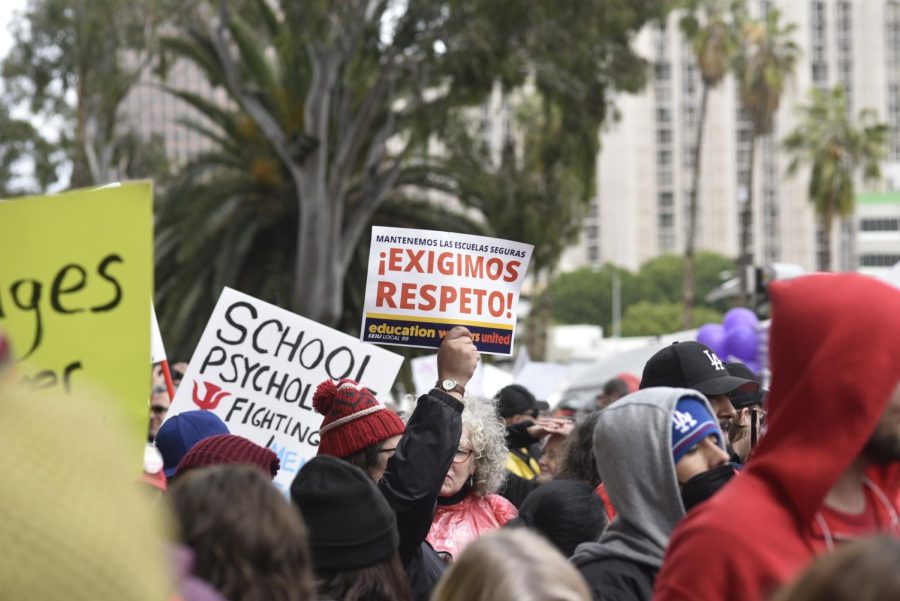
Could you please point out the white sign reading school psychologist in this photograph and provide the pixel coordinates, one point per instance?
(257, 367)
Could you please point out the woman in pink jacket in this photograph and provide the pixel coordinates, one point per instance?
(467, 506)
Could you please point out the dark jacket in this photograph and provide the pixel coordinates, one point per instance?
(526, 448)
(516, 489)
(413, 480)
(612, 579)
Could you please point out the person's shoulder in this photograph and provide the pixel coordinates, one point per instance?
(617, 568)
(502, 507)
(615, 579)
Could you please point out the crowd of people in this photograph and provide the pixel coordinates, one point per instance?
(692, 483)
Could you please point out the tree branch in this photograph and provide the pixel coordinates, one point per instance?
(373, 193)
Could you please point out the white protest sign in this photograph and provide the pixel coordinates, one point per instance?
(421, 283)
(257, 367)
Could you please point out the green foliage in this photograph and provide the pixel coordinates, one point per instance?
(652, 319)
(710, 27)
(659, 279)
(763, 66)
(585, 295)
(835, 146)
(21, 142)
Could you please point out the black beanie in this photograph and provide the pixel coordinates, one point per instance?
(350, 523)
(567, 512)
(514, 400)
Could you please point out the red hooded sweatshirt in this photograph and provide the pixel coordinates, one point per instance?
(835, 356)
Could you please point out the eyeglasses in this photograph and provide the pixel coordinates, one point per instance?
(462, 455)
(761, 416)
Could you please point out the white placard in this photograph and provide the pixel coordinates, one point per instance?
(257, 367)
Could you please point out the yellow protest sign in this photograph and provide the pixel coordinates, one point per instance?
(76, 274)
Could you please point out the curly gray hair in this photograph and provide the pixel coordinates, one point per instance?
(487, 437)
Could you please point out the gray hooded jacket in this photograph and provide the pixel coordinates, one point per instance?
(633, 449)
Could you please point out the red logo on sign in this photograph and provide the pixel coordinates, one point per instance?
(214, 394)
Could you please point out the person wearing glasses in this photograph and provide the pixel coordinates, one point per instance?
(407, 462)
(468, 505)
(159, 397)
(749, 424)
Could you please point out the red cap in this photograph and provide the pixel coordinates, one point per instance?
(225, 449)
(354, 418)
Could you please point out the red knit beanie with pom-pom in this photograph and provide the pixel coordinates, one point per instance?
(354, 418)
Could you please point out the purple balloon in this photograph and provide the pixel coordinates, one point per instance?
(713, 336)
(739, 316)
(741, 342)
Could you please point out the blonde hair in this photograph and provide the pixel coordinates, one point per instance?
(487, 436)
(511, 565)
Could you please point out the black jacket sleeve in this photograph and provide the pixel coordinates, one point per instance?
(517, 435)
(415, 473)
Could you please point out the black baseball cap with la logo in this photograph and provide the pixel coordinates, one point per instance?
(695, 366)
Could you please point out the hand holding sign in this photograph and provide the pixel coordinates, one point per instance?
(457, 357)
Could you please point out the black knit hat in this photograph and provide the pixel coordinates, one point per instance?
(350, 523)
(567, 512)
(514, 400)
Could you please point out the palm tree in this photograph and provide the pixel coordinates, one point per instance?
(763, 65)
(836, 147)
(710, 29)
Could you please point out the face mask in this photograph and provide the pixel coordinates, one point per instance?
(703, 486)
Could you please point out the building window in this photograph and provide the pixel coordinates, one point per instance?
(664, 157)
(664, 136)
(880, 260)
(662, 71)
(592, 232)
(665, 199)
(666, 241)
(666, 220)
(880, 225)
(664, 114)
(819, 72)
(593, 254)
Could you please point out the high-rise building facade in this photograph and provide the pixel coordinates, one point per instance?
(644, 169)
(151, 110)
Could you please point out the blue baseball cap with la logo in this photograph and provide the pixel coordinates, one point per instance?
(691, 423)
(692, 365)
